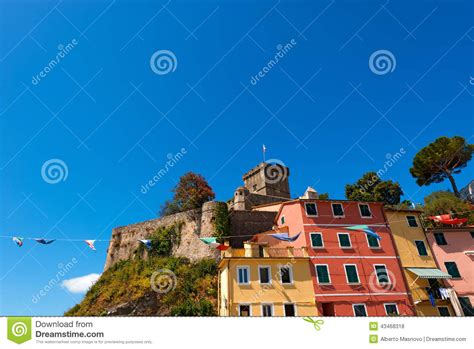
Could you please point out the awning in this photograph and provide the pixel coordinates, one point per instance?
(430, 273)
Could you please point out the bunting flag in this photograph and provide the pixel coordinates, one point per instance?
(285, 237)
(214, 244)
(44, 241)
(18, 241)
(446, 219)
(90, 243)
(147, 243)
(365, 229)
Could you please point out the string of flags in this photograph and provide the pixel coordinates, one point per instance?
(211, 241)
(365, 229)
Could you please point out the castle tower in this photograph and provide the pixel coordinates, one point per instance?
(269, 180)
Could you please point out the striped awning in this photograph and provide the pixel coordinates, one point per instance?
(430, 273)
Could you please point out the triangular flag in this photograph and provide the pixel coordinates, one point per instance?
(365, 229)
(90, 243)
(285, 237)
(18, 241)
(147, 243)
(208, 241)
(44, 241)
(212, 242)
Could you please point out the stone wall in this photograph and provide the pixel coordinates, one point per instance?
(195, 224)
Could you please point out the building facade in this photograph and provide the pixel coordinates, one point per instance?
(453, 248)
(425, 280)
(262, 281)
(353, 274)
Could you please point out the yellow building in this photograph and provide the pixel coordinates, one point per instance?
(421, 271)
(258, 280)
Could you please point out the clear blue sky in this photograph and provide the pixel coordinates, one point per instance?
(320, 110)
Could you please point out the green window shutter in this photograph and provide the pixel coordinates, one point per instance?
(452, 269)
(323, 274)
(316, 240)
(351, 273)
(420, 245)
(373, 241)
(344, 240)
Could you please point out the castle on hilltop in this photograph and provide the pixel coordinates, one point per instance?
(252, 210)
(264, 184)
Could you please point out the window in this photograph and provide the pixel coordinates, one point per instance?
(310, 208)
(337, 210)
(267, 310)
(264, 275)
(391, 309)
(282, 220)
(359, 310)
(382, 274)
(243, 275)
(322, 273)
(316, 240)
(466, 306)
(286, 275)
(290, 309)
(472, 234)
(244, 310)
(412, 221)
(352, 276)
(420, 246)
(443, 311)
(344, 240)
(440, 239)
(365, 210)
(452, 269)
(372, 241)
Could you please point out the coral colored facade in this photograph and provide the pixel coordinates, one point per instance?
(453, 249)
(415, 254)
(354, 286)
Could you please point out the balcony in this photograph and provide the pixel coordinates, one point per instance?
(259, 251)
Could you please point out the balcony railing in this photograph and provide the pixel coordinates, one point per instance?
(265, 252)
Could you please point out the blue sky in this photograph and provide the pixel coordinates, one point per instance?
(113, 121)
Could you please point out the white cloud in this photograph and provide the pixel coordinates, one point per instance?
(80, 284)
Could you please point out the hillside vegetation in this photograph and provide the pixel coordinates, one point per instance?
(125, 289)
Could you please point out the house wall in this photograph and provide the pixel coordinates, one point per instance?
(300, 292)
(459, 241)
(404, 237)
(339, 294)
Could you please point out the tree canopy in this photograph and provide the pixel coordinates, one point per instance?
(440, 160)
(190, 193)
(371, 188)
(444, 202)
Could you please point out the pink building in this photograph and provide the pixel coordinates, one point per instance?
(453, 249)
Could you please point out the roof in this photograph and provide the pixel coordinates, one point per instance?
(386, 208)
(467, 228)
(430, 273)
